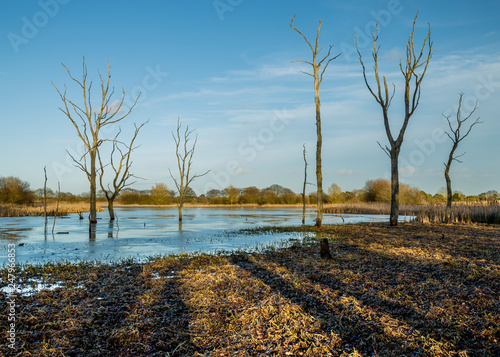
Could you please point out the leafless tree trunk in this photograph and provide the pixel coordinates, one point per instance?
(317, 74)
(304, 187)
(89, 121)
(45, 198)
(121, 170)
(184, 156)
(324, 251)
(57, 206)
(414, 62)
(456, 137)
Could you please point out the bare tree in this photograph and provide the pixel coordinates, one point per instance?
(456, 137)
(415, 62)
(89, 122)
(319, 67)
(57, 206)
(304, 186)
(45, 198)
(120, 168)
(184, 154)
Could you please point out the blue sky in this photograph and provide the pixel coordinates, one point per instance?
(224, 67)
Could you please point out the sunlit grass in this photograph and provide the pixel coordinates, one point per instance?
(11, 210)
(462, 212)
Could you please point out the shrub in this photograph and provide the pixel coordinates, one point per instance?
(14, 190)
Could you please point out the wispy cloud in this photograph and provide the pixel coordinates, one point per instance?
(347, 172)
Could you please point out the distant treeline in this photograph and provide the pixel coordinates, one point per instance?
(15, 191)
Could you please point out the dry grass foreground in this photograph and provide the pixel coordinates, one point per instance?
(411, 290)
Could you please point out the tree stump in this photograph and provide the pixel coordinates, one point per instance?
(324, 251)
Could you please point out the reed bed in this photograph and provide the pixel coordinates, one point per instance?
(37, 209)
(372, 208)
(462, 214)
(488, 212)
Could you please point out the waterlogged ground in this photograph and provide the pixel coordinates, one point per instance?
(143, 232)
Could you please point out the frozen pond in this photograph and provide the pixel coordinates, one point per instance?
(141, 232)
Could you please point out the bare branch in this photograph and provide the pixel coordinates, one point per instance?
(305, 38)
(385, 149)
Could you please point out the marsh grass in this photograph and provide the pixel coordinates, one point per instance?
(37, 209)
(413, 290)
(488, 212)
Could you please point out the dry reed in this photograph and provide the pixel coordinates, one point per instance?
(487, 212)
(11, 210)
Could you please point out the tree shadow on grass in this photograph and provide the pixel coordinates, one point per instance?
(373, 279)
(354, 330)
(120, 311)
(405, 289)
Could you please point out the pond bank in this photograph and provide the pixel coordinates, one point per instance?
(413, 289)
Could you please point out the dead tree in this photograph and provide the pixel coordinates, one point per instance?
(45, 199)
(121, 169)
(57, 206)
(184, 155)
(304, 187)
(413, 71)
(319, 67)
(89, 121)
(456, 137)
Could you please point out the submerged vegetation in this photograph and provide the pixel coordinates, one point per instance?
(409, 290)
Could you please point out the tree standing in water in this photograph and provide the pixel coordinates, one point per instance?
(319, 67)
(184, 154)
(413, 71)
(88, 122)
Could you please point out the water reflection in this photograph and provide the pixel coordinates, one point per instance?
(92, 232)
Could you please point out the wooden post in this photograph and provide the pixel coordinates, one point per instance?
(324, 251)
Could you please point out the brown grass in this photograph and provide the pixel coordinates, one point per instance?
(487, 212)
(473, 213)
(412, 290)
(37, 209)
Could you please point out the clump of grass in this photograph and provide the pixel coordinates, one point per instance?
(489, 213)
(371, 208)
(12, 210)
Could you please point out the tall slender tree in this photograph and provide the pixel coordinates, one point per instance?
(184, 154)
(88, 122)
(319, 66)
(456, 136)
(413, 71)
(304, 185)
